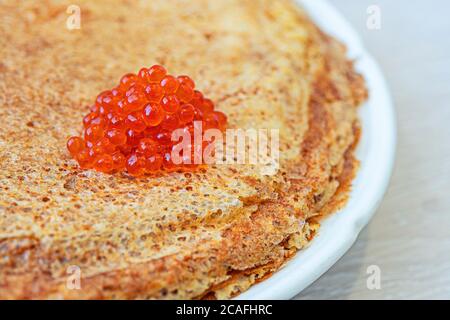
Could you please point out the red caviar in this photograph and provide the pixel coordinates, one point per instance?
(75, 145)
(129, 128)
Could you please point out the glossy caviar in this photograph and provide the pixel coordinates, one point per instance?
(129, 127)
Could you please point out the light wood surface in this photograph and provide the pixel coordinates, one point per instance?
(409, 237)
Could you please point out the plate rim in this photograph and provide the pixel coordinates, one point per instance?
(379, 140)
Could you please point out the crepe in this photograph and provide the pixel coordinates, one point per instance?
(206, 234)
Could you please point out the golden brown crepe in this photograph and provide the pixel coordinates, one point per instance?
(207, 234)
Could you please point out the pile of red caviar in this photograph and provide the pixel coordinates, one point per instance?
(129, 127)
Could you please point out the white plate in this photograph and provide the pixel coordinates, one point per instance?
(376, 153)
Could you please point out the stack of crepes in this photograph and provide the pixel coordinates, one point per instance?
(205, 234)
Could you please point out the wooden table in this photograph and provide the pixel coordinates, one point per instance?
(409, 237)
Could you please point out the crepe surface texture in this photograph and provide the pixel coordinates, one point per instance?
(206, 234)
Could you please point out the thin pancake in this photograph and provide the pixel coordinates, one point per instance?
(181, 235)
